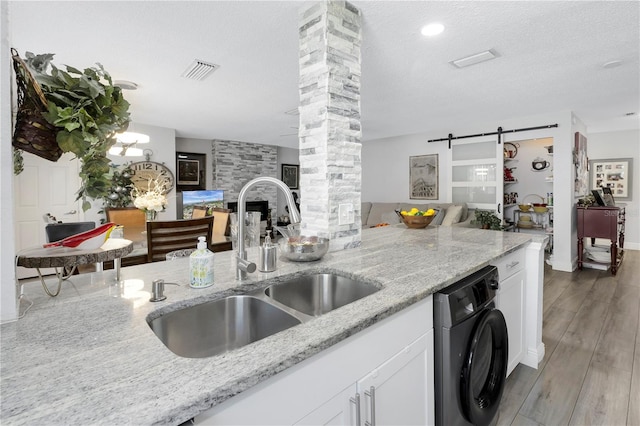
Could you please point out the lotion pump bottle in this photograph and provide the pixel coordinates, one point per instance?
(201, 265)
(268, 255)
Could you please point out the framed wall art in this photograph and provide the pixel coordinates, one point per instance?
(191, 171)
(290, 175)
(580, 162)
(423, 177)
(612, 173)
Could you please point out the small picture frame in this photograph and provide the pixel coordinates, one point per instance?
(188, 172)
(289, 175)
(191, 171)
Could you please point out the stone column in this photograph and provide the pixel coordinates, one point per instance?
(330, 132)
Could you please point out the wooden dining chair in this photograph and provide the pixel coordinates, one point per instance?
(199, 211)
(132, 219)
(221, 223)
(166, 236)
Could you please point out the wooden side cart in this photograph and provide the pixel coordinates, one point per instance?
(602, 222)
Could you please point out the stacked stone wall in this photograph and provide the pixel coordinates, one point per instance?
(330, 131)
(236, 163)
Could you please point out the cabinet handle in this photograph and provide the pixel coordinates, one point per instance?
(513, 264)
(371, 393)
(356, 401)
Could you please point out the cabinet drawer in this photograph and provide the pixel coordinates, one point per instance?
(509, 264)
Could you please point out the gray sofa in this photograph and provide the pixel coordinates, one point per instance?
(373, 213)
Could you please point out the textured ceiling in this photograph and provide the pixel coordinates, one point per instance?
(551, 56)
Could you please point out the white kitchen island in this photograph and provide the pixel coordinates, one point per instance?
(91, 358)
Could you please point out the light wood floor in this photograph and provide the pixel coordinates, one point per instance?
(590, 374)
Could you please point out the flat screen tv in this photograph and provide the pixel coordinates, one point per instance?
(253, 206)
(210, 198)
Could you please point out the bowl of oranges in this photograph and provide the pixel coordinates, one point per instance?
(416, 219)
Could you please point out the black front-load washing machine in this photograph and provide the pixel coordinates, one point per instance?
(470, 351)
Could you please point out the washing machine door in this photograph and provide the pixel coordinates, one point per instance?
(485, 369)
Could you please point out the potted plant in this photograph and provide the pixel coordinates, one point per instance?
(487, 220)
(86, 111)
(119, 194)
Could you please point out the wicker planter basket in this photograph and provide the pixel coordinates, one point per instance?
(32, 133)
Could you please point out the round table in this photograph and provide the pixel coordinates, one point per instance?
(61, 257)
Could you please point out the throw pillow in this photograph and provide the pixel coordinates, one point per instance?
(453, 215)
(439, 217)
(465, 212)
(377, 210)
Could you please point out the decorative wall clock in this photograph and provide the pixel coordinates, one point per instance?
(144, 171)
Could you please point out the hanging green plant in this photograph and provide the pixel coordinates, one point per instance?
(87, 111)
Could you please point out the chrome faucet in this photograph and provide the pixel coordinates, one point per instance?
(243, 265)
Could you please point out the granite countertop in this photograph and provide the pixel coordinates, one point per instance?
(89, 356)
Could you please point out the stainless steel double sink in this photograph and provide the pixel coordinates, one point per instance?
(214, 327)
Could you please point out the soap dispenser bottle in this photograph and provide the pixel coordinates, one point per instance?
(268, 255)
(201, 265)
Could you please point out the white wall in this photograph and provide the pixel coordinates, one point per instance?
(385, 169)
(622, 144)
(8, 307)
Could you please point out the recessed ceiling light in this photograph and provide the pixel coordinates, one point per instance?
(612, 64)
(432, 29)
(125, 85)
(487, 55)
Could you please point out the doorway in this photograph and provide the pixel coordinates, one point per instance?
(43, 188)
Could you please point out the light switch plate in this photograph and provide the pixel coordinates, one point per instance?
(345, 214)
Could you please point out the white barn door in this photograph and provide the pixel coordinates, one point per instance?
(477, 174)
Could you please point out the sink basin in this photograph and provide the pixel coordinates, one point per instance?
(317, 294)
(218, 326)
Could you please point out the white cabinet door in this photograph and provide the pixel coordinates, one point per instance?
(510, 300)
(339, 410)
(400, 391)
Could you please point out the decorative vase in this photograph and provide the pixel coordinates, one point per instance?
(151, 215)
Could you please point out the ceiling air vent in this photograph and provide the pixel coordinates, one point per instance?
(199, 70)
(487, 55)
